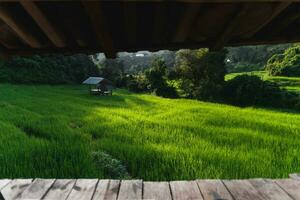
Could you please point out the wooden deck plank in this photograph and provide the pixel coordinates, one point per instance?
(15, 188)
(107, 190)
(292, 187)
(157, 191)
(295, 176)
(4, 182)
(242, 190)
(130, 189)
(213, 189)
(269, 190)
(83, 189)
(37, 189)
(182, 190)
(60, 189)
(258, 189)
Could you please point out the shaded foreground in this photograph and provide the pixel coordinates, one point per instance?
(51, 131)
(61, 189)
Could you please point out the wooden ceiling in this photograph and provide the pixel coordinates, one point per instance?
(29, 27)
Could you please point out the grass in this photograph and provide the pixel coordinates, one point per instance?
(51, 131)
(289, 83)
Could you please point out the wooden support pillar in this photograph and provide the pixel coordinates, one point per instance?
(103, 37)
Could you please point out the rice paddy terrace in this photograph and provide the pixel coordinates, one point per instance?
(63, 132)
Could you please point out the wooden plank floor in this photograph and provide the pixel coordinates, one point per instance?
(95, 189)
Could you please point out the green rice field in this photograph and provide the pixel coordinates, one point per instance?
(52, 131)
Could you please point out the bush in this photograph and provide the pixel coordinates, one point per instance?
(137, 83)
(50, 69)
(287, 64)
(113, 70)
(200, 73)
(156, 77)
(246, 90)
(166, 91)
(111, 167)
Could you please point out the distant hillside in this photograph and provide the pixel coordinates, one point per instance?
(139, 61)
(239, 59)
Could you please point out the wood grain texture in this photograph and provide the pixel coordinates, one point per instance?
(130, 189)
(41, 19)
(15, 188)
(242, 190)
(213, 189)
(18, 28)
(262, 23)
(295, 176)
(269, 190)
(227, 33)
(60, 189)
(157, 191)
(94, 11)
(292, 187)
(184, 190)
(37, 189)
(83, 189)
(107, 190)
(4, 182)
(186, 23)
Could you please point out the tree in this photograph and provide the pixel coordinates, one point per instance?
(245, 90)
(48, 69)
(200, 73)
(113, 70)
(286, 64)
(251, 58)
(157, 80)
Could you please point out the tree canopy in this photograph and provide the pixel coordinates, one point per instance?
(286, 64)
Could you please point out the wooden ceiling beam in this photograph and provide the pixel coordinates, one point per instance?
(285, 22)
(18, 28)
(281, 6)
(230, 27)
(159, 23)
(93, 10)
(48, 28)
(130, 21)
(7, 39)
(186, 22)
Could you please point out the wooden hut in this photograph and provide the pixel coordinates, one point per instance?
(99, 86)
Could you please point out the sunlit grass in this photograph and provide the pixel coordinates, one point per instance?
(50, 131)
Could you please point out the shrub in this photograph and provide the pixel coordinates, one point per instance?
(111, 167)
(246, 90)
(156, 77)
(49, 69)
(137, 83)
(287, 64)
(166, 91)
(200, 73)
(113, 70)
